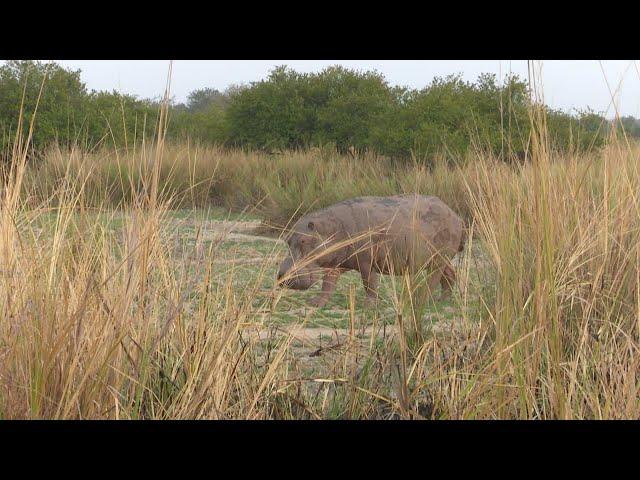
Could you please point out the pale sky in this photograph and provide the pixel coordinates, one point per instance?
(567, 84)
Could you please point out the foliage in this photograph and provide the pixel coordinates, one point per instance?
(361, 111)
(67, 113)
(337, 108)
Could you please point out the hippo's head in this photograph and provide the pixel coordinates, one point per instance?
(299, 270)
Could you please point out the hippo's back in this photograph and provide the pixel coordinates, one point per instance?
(400, 231)
(397, 211)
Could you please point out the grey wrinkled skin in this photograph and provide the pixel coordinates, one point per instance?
(373, 235)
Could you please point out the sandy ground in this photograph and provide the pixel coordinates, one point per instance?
(317, 341)
(242, 231)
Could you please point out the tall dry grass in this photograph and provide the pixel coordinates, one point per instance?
(279, 187)
(563, 238)
(97, 324)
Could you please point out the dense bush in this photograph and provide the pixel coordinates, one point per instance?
(449, 114)
(335, 108)
(359, 110)
(59, 104)
(202, 117)
(67, 113)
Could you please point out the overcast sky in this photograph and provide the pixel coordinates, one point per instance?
(567, 84)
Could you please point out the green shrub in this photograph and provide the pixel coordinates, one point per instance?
(343, 109)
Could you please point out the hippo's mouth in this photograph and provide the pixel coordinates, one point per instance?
(294, 283)
(301, 281)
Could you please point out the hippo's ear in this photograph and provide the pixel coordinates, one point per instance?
(311, 226)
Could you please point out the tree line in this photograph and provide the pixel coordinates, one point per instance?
(337, 107)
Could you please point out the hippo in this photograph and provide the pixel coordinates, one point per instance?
(373, 235)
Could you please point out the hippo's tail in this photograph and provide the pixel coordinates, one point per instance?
(463, 239)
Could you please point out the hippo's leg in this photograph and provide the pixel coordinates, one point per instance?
(370, 281)
(433, 279)
(447, 281)
(328, 287)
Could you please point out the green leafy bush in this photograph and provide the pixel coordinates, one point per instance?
(337, 108)
(67, 113)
